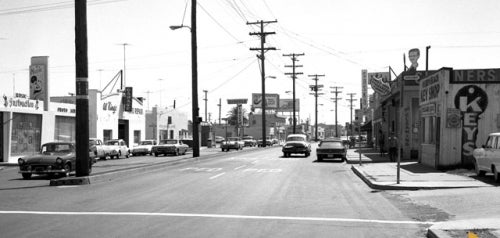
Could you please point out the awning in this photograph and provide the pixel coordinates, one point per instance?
(367, 126)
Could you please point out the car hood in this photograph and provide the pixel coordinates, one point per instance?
(42, 158)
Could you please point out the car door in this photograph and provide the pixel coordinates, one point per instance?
(494, 157)
(488, 152)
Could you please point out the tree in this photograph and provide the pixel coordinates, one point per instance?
(233, 116)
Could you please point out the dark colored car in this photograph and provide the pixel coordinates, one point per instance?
(296, 144)
(331, 148)
(54, 158)
(170, 146)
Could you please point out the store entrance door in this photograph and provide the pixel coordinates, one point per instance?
(123, 130)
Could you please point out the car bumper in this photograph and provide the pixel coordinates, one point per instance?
(44, 171)
(295, 150)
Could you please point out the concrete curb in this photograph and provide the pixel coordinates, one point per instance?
(436, 233)
(373, 185)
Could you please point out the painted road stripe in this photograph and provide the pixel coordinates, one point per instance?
(320, 219)
(240, 167)
(218, 175)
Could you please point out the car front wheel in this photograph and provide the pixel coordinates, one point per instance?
(496, 175)
(479, 172)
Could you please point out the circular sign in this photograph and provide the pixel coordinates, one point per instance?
(471, 98)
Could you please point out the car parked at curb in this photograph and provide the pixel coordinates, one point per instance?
(143, 148)
(170, 146)
(101, 150)
(296, 144)
(119, 146)
(331, 148)
(487, 158)
(234, 143)
(54, 158)
(219, 139)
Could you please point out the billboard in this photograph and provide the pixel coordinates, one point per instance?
(272, 100)
(237, 101)
(380, 82)
(286, 105)
(38, 85)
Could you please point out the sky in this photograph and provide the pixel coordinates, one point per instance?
(338, 37)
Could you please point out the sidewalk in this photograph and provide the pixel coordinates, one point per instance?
(379, 173)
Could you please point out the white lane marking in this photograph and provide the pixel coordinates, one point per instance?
(218, 175)
(161, 214)
(240, 167)
(263, 170)
(202, 169)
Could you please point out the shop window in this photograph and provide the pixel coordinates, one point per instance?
(137, 137)
(26, 134)
(65, 129)
(107, 135)
(429, 130)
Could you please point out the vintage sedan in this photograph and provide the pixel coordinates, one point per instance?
(170, 146)
(234, 143)
(120, 146)
(331, 148)
(143, 148)
(249, 141)
(296, 144)
(54, 158)
(487, 158)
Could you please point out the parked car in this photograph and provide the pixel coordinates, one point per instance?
(101, 150)
(170, 146)
(120, 146)
(331, 148)
(219, 139)
(296, 144)
(487, 158)
(234, 143)
(143, 148)
(260, 142)
(249, 141)
(54, 158)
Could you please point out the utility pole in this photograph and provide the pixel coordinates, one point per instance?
(220, 105)
(427, 59)
(293, 66)
(262, 50)
(194, 79)
(209, 117)
(316, 88)
(336, 99)
(82, 165)
(205, 91)
(148, 92)
(123, 83)
(351, 100)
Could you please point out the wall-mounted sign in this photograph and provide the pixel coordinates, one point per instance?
(272, 100)
(467, 76)
(453, 118)
(364, 89)
(128, 96)
(430, 88)
(428, 110)
(237, 101)
(10, 102)
(286, 105)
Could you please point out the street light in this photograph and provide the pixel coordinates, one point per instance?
(194, 75)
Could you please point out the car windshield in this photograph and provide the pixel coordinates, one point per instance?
(168, 142)
(247, 138)
(146, 143)
(112, 142)
(330, 144)
(295, 138)
(233, 139)
(57, 148)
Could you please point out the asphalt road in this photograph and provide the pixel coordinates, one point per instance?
(237, 194)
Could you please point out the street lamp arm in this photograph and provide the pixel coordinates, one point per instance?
(175, 27)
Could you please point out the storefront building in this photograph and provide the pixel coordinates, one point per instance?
(458, 109)
(166, 124)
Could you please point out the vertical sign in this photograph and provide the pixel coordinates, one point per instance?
(239, 115)
(472, 101)
(364, 89)
(128, 99)
(38, 79)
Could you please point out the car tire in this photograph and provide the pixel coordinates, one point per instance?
(155, 154)
(479, 173)
(285, 155)
(496, 175)
(26, 176)
(67, 167)
(127, 155)
(119, 154)
(102, 158)
(320, 158)
(307, 154)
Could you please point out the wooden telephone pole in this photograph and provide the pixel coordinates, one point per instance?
(316, 88)
(294, 76)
